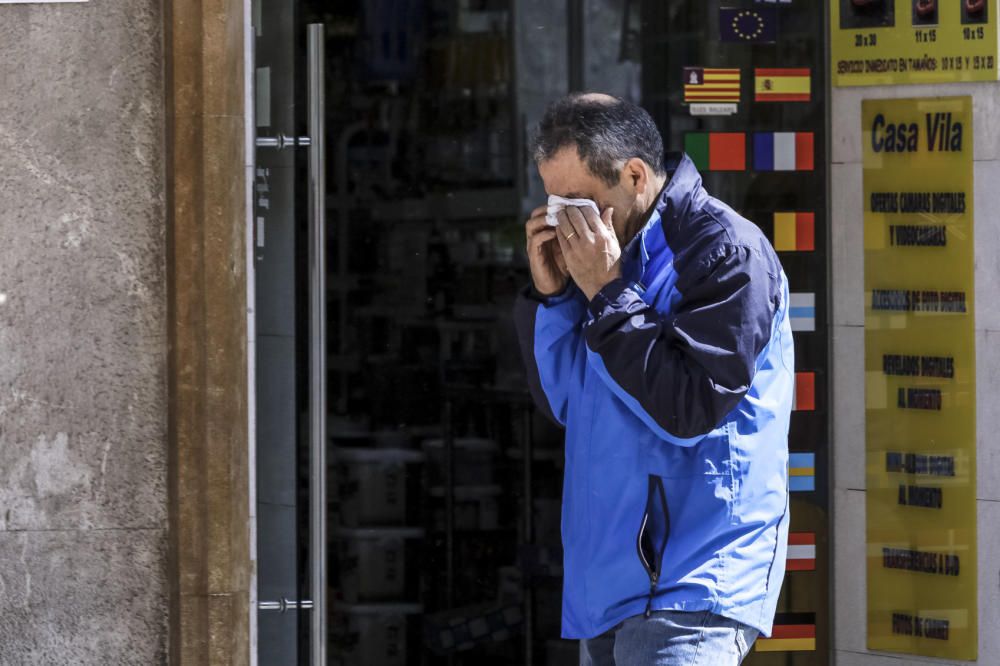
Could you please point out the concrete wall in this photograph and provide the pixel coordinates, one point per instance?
(83, 541)
(850, 600)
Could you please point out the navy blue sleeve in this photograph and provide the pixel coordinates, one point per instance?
(548, 331)
(683, 372)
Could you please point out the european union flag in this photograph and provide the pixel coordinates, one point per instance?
(755, 26)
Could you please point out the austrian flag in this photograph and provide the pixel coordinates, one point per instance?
(801, 551)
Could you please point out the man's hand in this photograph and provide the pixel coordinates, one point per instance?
(590, 248)
(548, 267)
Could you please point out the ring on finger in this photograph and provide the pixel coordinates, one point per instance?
(570, 235)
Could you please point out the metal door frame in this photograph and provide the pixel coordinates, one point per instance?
(317, 329)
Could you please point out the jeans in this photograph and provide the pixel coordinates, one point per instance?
(670, 638)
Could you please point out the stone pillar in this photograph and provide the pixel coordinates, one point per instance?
(849, 592)
(83, 419)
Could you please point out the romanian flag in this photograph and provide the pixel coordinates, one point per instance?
(717, 151)
(783, 151)
(791, 632)
(704, 84)
(805, 392)
(801, 551)
(794, 232)
(782, 85)
(802, 311)
(801, 472)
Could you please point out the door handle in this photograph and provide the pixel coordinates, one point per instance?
(282, 141)
(284, 605)
(317, 333)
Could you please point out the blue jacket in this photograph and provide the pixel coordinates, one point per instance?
(674, 385)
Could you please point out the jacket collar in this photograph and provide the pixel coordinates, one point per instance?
(672, 204)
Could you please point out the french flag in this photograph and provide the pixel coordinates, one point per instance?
(783, 151)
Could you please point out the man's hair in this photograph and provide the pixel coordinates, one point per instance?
(607, 132)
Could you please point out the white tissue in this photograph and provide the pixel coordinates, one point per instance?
(556, 204)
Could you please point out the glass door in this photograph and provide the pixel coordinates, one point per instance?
(290, 336)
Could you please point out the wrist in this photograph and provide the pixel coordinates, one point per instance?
(591, 290)
(546, 293)
(609, 298)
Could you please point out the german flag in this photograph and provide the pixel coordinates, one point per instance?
(791, 632)
(782, 85)
(705, 84)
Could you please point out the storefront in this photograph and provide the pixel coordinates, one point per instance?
(338, 461)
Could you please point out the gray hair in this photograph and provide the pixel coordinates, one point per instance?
(607, 132)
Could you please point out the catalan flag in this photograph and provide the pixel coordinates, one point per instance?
(794, 232)
(704, 84)
(783, 151)
(801, 472)
(717, 151)
(802, 311)
(805, 392)
(782, 85)
(801, 551)
(791, 632)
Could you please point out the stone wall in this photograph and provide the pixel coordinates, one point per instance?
(83, 476)
(849, 591)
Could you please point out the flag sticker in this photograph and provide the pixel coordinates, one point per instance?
(805, 392)
(717, 151)
(802, 312)
(782, 85)
(750, 26)
(783, 151)
(791, 632)
(795, 232)
(705, 84)
(801, 551)
(801, 472)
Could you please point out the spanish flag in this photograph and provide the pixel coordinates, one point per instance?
(791, 632)
(782, 85)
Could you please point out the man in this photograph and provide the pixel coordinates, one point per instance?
(658, 335)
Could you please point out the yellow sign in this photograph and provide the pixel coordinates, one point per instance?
(920, 393)
(884, 42)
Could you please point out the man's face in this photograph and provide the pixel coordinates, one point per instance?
(566, 175)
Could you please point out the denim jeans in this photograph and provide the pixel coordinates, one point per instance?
(670, 638)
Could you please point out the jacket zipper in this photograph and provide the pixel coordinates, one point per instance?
(654, 569)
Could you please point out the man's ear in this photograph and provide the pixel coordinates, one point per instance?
(636, 175)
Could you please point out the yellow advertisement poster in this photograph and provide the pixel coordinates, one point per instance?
(920, 389)
(885, 42)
